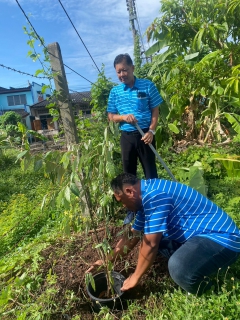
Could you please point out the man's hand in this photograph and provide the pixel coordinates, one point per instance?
(96, 264)
(148, 137)
(130, 282)
(129, 118)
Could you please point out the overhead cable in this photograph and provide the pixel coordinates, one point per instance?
(78, 35)
(22, 72)
(31, 75)
(40, 39)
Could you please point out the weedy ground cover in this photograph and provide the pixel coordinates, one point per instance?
(42, 272)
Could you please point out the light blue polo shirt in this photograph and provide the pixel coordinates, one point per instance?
(180, 212)
(138, 100)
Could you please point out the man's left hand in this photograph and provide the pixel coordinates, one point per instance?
(95, 265)
(130, 282)
(148, 137)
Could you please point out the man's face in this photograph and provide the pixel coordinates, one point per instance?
(129, 198)
(125, 73)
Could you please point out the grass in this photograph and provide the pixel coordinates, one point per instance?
(28, 293)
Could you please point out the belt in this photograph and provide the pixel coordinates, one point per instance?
(135, 132)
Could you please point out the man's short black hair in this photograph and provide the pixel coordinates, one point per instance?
(123, 57)
(123, 178)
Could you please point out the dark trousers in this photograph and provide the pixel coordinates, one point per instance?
(192, 264)
(133, 148)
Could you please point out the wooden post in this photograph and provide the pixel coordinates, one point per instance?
(66, 110)
(61, 86)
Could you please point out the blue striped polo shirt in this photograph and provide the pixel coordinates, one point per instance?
(180, 212)
(138, 100)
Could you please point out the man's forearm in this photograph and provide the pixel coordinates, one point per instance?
(115, 117)
(154, 119)
(146, 258)
(147, 253)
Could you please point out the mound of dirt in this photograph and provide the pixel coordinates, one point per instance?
(69, 259)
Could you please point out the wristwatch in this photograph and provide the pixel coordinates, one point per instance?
(153, 132)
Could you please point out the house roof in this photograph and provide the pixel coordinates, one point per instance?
(14, 90)
(76, 97)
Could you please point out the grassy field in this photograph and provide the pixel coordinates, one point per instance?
(42, 266)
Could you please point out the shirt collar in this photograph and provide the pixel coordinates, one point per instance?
(135, 86)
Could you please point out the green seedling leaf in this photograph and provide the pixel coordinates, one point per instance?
(67, 194)
(89, 279)
(173, 128)
(74, 189)
(38, 165)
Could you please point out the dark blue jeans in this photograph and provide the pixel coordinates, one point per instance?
(193, 263)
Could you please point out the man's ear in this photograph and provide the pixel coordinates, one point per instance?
(129, 190)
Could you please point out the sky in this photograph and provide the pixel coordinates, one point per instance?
(103, 26)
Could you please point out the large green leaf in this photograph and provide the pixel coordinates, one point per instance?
(164, 111)
(234, 102)
(22, 154)
(74, 189)
(208, 112)
(191, 56)
(197, 42)
(161, 59)
(230, 163)
(234, 119)
(196, 180)
(67, 194)
(211, 55)
(38, 164)
(156, 47)
(173, 128)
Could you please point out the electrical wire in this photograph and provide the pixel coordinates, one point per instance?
(139, 27)
(22, 72)
(40, 39)
(79, 35)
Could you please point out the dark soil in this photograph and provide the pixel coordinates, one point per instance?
(68, 260)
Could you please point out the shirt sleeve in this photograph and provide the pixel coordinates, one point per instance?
(155, 98)
(157, 208)
(112, 102)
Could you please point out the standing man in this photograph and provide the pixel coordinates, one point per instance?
(199, 236)
(135, 101)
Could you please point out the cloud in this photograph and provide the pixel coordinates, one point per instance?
(103, 26)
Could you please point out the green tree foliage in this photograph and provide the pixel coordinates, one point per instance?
(100, 92)
(10, 117)
(198, 65)
(143, 72)
(137, 56)
(9, 122)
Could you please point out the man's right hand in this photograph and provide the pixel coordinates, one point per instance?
(96, 264)
(129, 118)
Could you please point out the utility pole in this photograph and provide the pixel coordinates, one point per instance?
(135, 28)
(61, 86)
(132, 16)
(66, 111)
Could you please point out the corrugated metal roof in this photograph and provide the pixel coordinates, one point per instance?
(14, 90)
(76, 97)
